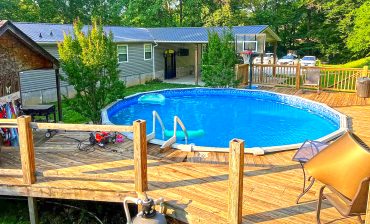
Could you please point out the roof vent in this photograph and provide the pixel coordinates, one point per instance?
(40, 35)
(51, 33)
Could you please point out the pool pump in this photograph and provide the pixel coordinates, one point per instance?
(148, 215)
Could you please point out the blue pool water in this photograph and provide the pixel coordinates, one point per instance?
(260, 121)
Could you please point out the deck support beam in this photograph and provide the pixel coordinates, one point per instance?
(32, 209)
(140, 156)
(236, 173)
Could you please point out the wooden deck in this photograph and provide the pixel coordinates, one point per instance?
(194, 185)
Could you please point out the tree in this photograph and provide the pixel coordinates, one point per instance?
(219, 60)
(149, 13)
(91, 66)
(359, 38)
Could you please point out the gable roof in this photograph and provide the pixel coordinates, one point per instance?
(7, 26)
(52, 33)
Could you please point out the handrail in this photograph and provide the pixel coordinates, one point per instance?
(176, 121)
(82, 127)
(8, 123)
(156, 116)
(172, 140)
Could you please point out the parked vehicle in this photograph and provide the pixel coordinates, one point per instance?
(289, 59)
(308, 61)
(268, 58)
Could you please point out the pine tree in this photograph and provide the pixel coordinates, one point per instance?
(219, 60)
(91, 66)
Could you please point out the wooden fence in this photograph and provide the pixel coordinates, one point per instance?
(331, 78)
(28, 170)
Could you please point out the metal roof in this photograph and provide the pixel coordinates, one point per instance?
(46, 32)
(198, 34)
(51, 33)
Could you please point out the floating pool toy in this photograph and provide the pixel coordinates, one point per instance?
(152, 98)
(181, 134)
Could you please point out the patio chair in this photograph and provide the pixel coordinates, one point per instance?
(344, 168)
(308, 150)
(312, 78)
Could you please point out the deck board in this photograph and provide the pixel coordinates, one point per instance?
(193, 184)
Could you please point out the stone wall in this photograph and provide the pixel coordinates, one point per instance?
(15, 56)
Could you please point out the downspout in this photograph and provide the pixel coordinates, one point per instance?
(155, 45)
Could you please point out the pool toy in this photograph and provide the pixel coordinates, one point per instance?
(152, 98)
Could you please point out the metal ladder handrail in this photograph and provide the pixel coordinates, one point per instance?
(156, 117)
(172, 140)
(176, 121)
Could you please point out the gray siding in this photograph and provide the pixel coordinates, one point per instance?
(159, 59)
(35, 80)
(136, 63)
(184, 64)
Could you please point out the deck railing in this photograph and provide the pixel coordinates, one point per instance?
(331, 78)
(27, 154)
(27, 151)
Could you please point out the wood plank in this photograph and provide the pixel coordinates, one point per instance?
(82, 127)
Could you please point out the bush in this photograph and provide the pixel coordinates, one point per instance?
(219, 60)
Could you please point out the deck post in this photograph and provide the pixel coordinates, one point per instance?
(298, 76)
(140, 156)
(59, 97)
(236, 69)
(196, 65)
(275, 60)
(26, 149)
(236, 173)
(365, 71)
(32, 209)
(367, 219)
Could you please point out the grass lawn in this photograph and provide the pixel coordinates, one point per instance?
(360, 63)
(71, 116)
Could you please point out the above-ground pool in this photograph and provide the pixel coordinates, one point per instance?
(266, 121)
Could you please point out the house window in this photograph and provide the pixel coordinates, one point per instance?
(122, 51)
(250, 45)
(147, 51)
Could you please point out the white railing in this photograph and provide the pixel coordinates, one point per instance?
(156, 117)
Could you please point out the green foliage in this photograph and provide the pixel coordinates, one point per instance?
(91, 64)
(334, 30)
(358, 40)
(152, 13)
(360, 63)
(219, 60)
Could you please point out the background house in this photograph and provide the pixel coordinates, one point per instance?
(144, 53)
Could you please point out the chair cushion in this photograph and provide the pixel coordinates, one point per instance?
(342, 165)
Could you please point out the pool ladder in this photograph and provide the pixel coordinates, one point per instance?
(172, 140)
